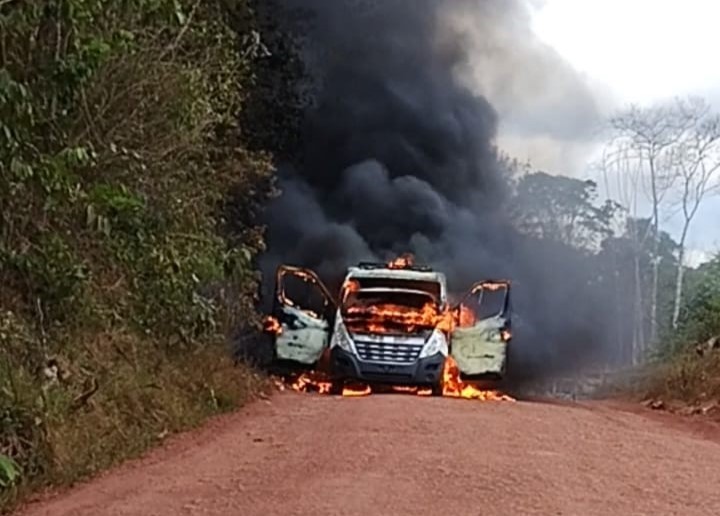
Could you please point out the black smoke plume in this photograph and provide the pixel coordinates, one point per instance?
(398, 155)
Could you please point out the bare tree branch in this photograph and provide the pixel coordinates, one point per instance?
(662, 153)
(697, 161)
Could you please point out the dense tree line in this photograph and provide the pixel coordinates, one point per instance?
(122, 266)
(567, 213)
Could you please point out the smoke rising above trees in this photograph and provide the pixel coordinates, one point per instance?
(388, 116)
(397, 153)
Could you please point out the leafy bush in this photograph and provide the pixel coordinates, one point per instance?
(9, 472)
(700, 312)
(120, 151)
(688, 371)
(700, 317)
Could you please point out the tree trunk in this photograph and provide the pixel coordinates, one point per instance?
(621, 358)
(679, 277)
(655, 251)
(654, 297)
(638, 322)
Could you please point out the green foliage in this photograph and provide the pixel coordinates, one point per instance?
(563, 209)
(281, 86)
(113, 208)
(120, 153)
(118, 146)
(52, 272)
(9, 472)
(700, 315)
(687, 370)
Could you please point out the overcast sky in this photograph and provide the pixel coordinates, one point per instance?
(641, 51)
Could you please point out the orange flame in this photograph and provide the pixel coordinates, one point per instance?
(272, 325)
(446, 321)
(354, 392)
(348, 288)
(418, 391)
(454, 387)
(492, 285)
(320, 383)
(402, 262)
(466, 317)
(376, 318)
(312, 382)
(383, 317)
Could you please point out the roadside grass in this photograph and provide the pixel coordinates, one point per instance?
(132, 400)
(687, 377)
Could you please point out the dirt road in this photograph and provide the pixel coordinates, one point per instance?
(398, 455)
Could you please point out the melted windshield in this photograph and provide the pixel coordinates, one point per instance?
(386, 311)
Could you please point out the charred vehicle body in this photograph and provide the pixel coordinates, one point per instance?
(391, 324)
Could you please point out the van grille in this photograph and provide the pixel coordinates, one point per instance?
(396, 353)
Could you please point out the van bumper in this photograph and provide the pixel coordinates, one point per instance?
(423, 372)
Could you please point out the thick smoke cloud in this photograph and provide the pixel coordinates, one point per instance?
(548, 112)
(398, 154)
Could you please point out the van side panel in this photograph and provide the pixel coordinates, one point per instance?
(480, 349)
(303, 338)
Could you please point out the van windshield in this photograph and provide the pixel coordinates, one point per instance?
(432, 288)
(387, 311)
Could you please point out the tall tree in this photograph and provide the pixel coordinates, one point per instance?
(697, 161)
(563, 209)
(621, 175)
(648, 135)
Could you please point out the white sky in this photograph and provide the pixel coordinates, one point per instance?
(642, 51)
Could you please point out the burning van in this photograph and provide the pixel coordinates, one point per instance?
(391, 324)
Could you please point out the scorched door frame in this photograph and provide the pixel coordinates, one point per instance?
(305, 334)
(480, 350)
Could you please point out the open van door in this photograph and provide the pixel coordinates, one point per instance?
(305, 309)
(481, 336)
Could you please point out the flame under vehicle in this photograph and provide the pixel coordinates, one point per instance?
(391, 324)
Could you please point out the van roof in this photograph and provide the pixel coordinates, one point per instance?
(409, 274)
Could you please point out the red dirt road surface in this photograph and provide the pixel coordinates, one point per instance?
(403, 455)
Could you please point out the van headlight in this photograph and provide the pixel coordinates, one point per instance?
(437, 343)
(342, 339)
